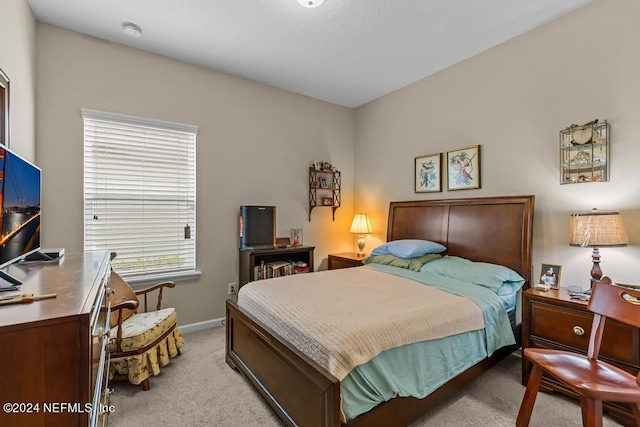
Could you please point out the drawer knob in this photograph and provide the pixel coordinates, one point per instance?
(578, 330)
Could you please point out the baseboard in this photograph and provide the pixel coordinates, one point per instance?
(200, 326)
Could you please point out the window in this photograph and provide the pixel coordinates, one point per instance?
(139, 193)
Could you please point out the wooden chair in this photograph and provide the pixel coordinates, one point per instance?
(592, 379)
(140, 341)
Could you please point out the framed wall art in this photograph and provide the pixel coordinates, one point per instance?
(463, 168)
(427, 173)
(4, 109)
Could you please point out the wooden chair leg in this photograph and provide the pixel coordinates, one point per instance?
(529, 399)
(591, 412)
(145, 385)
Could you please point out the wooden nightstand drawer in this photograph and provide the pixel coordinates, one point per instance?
(572, 328)
(345, 260)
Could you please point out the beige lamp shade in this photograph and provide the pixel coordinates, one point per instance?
(360, 225)
(596, 228)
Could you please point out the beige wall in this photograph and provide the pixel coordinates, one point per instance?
(18, 61)
(256, 142)
(254, 146)
(513, 100)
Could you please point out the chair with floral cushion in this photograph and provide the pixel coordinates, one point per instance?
(140, 342)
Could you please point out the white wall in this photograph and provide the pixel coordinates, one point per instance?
(513, 100)
(18, 61)
(254, 146)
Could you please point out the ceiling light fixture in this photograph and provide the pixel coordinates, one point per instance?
(310, 3)
(132, 30)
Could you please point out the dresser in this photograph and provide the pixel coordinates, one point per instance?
(53, 353)
(553, 320)
(345, 260)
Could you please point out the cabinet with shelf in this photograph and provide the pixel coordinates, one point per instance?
(324, 189)
(252, 261)
(584, 153)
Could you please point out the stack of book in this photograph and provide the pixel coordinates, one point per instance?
(278, 268)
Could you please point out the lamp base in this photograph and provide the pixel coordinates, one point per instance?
(596, 271)
(361, 245)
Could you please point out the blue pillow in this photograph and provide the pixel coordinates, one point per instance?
(409, 248)
(500, 279)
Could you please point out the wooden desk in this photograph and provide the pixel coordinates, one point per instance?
(51, 351)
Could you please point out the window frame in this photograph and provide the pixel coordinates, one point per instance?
(144, 133)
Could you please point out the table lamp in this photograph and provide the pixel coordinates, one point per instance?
(597, 229)
(360, 226)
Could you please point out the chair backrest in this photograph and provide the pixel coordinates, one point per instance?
(616, 302)
(120, 291)
(609, 301)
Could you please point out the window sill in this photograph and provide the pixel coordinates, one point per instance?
(152, 279)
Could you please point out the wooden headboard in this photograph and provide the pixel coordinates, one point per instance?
(498, 230)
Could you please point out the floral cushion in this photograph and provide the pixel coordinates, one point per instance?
(138, 331)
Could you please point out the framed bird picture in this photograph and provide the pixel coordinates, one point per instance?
(463, 168)
(427, 173)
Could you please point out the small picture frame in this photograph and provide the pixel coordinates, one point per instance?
(323, 183)
(427, 173)
(463, 168)
(296, 236)
(327, 201)
(550, 275)
(283, 241)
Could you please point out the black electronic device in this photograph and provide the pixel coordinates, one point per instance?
(257, 227)
(20, 193)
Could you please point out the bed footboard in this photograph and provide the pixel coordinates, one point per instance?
(298, 390)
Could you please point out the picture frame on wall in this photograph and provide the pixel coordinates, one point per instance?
(427, 173)
(463, 168)
(4, 109)
(550, 275)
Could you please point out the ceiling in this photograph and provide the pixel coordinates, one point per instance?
(347, 52)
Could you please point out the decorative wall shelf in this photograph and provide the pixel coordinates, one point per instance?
(584, 153)
(324, 189)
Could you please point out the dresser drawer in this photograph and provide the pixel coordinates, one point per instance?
(572, 328)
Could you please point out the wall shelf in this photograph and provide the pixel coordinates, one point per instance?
(584, 153)
(324, 190)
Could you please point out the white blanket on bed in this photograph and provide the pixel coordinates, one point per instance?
(343, 318)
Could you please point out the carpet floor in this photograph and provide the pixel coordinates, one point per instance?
(198, 388)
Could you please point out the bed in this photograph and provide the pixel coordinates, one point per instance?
(300, 391)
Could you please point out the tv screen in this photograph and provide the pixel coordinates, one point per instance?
(20, 191)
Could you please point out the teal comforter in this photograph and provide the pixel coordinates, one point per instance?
(420, 368)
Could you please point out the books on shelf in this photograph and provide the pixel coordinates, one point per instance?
(278, 268)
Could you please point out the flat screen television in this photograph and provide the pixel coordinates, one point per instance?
(20, 194)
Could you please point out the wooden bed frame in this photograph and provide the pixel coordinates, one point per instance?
(489, 229)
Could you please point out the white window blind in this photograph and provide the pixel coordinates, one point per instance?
(139, 192)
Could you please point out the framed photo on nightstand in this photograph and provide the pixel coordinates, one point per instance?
(550, 275)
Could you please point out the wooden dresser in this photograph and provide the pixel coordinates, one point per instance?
(53, 358)
(553, 320)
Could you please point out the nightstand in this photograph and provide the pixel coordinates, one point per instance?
(553, 320)
(345, 260)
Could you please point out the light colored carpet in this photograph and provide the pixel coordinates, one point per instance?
(199, 389)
